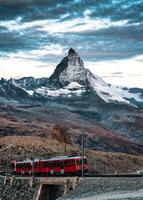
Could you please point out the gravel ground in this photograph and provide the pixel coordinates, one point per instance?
(107, 189)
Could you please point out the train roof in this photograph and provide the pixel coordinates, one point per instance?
(27, 161)
(62, 158)
(51, 159)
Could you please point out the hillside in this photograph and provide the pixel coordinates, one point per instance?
(19, 147)
(46, 123)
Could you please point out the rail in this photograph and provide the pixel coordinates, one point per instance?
(85, 175)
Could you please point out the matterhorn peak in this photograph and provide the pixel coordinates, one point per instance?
(72, 52)
(70, 69)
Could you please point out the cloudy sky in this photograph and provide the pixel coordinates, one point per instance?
(108, 35)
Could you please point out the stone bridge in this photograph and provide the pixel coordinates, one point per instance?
(39, 188)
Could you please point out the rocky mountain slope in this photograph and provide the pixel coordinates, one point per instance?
(59, 124)
(9, 89)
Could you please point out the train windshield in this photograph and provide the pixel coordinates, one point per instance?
(79, 162)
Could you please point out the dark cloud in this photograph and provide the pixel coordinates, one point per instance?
(40, 9)
(109, 43)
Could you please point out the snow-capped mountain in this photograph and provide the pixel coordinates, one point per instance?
(71, 72)
(31, 83)
(10, 89)
(72, 78)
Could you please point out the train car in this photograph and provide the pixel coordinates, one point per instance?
(23, 167)
(55, 166)
(63, 165)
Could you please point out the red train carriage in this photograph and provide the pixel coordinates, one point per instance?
(23, 167)
(66, 165)
(63, 165)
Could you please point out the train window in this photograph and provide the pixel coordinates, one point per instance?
(72, 162)
(59, 164)
(36, 165)
(28, 165)
(69, 162)
(56, 164)
(79, 162)
(44, 164)
(18, 165)
(23, 165)
(51, 165)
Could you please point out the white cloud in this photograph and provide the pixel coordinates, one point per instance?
(80, 25)
(53, 49)
(95, 25)
(131, 69)
(86, 13)
(55, 26)
(16, 67)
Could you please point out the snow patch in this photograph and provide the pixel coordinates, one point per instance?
(61, 92)
(73, 85)
(31, 92)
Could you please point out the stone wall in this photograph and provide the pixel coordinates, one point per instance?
(18, 189)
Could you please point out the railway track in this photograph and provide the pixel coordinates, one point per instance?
(113, 175)
(85, 175)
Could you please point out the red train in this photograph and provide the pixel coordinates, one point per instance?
(56, 166)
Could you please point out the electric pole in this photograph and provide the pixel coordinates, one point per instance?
(82, 156)
(33, 152)
(8, 165)
(65, 146)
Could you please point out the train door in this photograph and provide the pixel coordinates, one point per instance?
(51, 167)
(28, 168)
(44, 167)
(58, 167)
(62, 168)
(36, 167)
